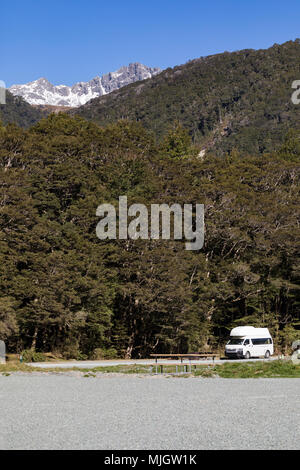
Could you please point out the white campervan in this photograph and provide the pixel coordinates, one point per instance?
(248, 341)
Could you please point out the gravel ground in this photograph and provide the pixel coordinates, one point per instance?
(69, 411)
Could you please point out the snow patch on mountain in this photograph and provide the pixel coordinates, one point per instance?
(42, 92)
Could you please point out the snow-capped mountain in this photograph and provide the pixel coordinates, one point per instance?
(42, 92)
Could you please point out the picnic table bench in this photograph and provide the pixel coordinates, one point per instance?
(200, 355)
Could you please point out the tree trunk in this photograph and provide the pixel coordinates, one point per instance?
(33, 344)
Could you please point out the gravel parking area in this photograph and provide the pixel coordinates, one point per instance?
(49, 411)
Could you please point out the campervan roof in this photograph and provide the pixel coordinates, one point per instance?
(250, 331)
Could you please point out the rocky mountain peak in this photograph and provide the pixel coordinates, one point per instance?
(42, 92)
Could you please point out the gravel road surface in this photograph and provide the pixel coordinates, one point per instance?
(64, 411)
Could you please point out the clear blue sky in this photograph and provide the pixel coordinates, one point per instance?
(72, 40)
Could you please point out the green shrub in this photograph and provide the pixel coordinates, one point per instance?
(97, 354)
(32, 356)
(71, 349)
(100, 353)
(110, 353)
(81, 356)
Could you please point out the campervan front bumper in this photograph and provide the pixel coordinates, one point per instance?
(234, 353)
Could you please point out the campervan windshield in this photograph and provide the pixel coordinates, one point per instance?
(236, 341)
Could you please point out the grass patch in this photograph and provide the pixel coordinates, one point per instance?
(16, 367)
(119, 369)
(240, 370)
(246, 370)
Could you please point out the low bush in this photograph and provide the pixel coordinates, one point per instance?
(29, 355)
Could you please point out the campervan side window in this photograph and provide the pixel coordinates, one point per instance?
(257, 341)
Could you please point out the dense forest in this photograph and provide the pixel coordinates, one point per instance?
(18, 111)
(239, 100)
(63, 290)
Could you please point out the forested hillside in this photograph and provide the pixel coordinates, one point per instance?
(231, 100)
(63, 290)
(17, 111)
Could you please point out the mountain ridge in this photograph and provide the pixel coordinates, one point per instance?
(43, 92)
(230, 100)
